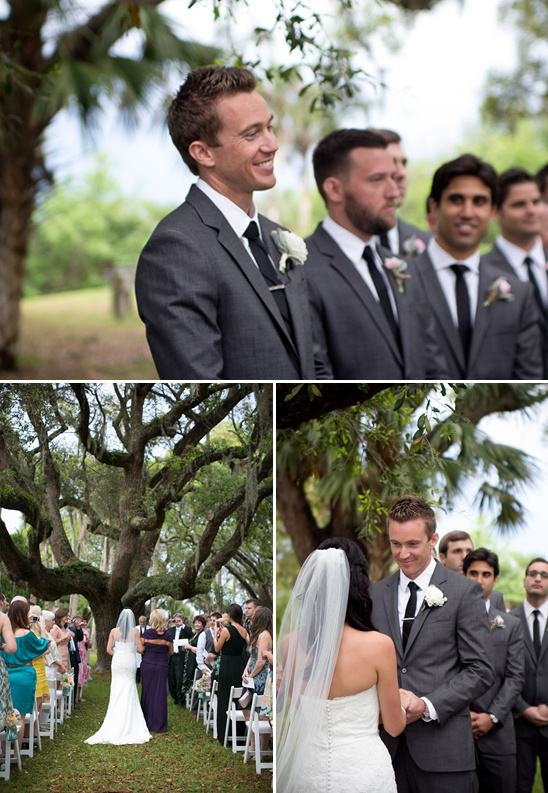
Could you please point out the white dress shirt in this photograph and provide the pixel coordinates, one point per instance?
(442, 261)
(516, 257)
(542, 617)
(201, 650)
(353, 247)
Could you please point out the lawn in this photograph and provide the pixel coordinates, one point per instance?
(182, 760)
(75, 336)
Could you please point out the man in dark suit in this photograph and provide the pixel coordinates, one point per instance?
(220, 297)
(531, 708)
(518, 250)
(487, 323)
(453, 549)
(179, 631)
(367, 307)
(142, 626)
(74, 656)
(492, 713)
(438, 623)
(403, 238)
(541, 178)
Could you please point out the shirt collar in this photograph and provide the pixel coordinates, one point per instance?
(237, 218)
(441, 259)
(516, 255)
(421, 580)
(351, 245)
(529, 609)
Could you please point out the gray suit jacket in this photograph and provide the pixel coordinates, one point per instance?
(507, 656)
(446, 660)
(497, 259)
(351, 331)
(408, 232)
(497, 601)
(208, 311)
(535, 687)
(506, 342)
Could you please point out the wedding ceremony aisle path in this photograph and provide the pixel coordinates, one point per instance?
(182, 760)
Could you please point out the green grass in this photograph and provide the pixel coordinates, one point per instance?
(182, 760)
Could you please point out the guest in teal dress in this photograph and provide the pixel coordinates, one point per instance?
(258, 666)
(7, 645)
(22, 674)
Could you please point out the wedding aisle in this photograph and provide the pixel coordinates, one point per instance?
(184, 759)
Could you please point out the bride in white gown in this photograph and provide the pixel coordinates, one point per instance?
(338, 673)
(124, 721)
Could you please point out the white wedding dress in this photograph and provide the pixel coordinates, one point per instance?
(345, 753)
(124, 722)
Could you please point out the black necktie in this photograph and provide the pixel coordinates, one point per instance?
(270, 274)
(463, 307)
(528, 262)
(409, 613)
(385, 242)
(536, 632)
(382, 292)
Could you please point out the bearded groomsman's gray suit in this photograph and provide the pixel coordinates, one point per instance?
(506, 339)
(446, 660)
(208, 311)
(351, 331)
(407, 233)
(497, 748)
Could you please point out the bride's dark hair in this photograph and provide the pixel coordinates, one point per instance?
(358, 610)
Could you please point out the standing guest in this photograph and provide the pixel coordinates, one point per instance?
(205, 656)
(74, 657)
(487, 323)
(257, 667)
(54, 664)
(38, 626)
(542, 181)
(403, 238)
(492, 713)
(367, 307)
(232, 641)
(62, 635)
(218, 300)
(8, 645)
(250, 607)
(437, 621)
(453, 548)
(22, 674)
(531, 708)
(142, 628)
(177, 661)
(4, 604)
(158, 646)
(83, 649)
(200, 622)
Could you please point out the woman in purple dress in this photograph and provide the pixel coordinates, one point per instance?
(156, 644)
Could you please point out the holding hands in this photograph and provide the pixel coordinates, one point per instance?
(415, 706)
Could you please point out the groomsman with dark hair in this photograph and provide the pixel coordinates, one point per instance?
(453, 549)
(531, 708)
(403, 238)
(519, 250)
(492, 713)
(487, 322)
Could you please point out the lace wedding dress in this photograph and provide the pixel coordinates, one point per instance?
(346, 753)
(124, 722)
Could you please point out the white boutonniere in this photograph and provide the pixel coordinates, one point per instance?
(498, 622)
(397, 267)
(500, 289)
(433, 597)
(413, 246)
(291, 246)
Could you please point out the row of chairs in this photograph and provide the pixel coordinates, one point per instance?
(53, 715)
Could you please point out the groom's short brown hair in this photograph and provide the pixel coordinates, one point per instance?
(409, 508)
(193, 113)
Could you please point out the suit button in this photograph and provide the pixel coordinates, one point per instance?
(403, 671)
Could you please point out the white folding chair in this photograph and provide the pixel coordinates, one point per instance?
(9, 748)
(31, 719)
(212, 710)
(188, 695)
(60, 708)
(257, 727)
(48, 721)
(233, 716)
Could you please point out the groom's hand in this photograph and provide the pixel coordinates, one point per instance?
(416, 706)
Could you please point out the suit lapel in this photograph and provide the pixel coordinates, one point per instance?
(390, 603)
(483, 313)
(528, 642)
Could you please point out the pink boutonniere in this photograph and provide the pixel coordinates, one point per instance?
(498, 622)
(413, 246)
(500, 289)
(397, 267)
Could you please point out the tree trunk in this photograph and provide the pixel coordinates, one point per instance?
(105, 615)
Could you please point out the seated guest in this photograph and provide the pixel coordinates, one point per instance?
(22, 674)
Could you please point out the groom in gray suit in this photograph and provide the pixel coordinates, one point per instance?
(367, 306)
(487, 322)
(218, 298)
(438, 623)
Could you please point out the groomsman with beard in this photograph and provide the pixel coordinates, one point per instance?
(367, 307)
(487, 323)
(403, 238)
(531, 708)
(492, 713)
(518, 250)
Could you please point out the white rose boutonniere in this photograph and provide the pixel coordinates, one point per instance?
(397, 267)
(291, 246)
(433, 596)
(500, 289)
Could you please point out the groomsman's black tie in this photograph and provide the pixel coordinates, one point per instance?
(528, 262)
(270, 274)
(463, 307)
(536, 632)
(385, 242)
(409, 613)
(382, 292)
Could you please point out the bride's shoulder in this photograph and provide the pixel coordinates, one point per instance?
(371, 641)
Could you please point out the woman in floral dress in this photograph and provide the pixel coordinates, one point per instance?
(83, 667)
(258, 666)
